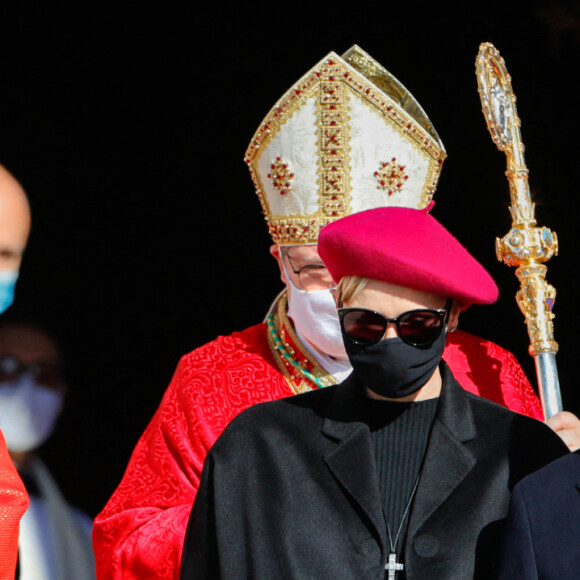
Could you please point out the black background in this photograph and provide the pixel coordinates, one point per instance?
(127, 128)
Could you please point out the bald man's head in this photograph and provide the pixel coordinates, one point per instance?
(14, 221)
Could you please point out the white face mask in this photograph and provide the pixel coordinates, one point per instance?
(315, 316)
(28, 412)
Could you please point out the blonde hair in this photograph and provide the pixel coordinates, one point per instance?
(350, 287)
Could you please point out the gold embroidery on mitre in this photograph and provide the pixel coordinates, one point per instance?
(281, 176)
(391, 176)
(410, 120)
(409, 129)
(332, 84)
(334, 138)
(296, 230)
(286, 229)
(391, 86)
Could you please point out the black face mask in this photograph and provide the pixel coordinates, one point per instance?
(392, 368)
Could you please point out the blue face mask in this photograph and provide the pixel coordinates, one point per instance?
(7, 285)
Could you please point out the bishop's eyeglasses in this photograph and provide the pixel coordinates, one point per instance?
(312, 277)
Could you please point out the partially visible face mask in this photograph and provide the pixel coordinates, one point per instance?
(7, 286)
(392, 368)
(315, 316)
(28, 412)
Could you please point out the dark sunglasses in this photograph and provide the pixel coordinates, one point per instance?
(420, 328)
(48, 375)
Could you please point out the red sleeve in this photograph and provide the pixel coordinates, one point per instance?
(139, 534)
(13, 503)
(484, 368)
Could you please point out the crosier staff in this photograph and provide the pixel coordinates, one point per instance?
(525, 246)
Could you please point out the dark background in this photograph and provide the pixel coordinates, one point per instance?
(127, 128)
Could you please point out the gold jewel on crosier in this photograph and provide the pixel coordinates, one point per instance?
(299, 368)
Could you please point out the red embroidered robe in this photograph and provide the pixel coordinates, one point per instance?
(13, 503)
(139, 534)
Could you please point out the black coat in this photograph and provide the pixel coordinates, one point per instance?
(290, 490)
(543, 527)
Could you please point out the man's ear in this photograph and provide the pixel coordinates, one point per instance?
(275, 251)
(454, 316)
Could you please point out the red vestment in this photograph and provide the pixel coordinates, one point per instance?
(139, 534)
(13, 503)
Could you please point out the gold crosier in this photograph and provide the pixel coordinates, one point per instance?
(526, 246)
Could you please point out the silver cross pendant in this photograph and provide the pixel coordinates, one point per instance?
(392, 567)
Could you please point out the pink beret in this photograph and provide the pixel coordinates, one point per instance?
(406, 247)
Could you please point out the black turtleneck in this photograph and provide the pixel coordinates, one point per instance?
(399, 433)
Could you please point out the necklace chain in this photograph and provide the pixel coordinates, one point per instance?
(393, 544)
